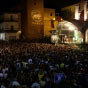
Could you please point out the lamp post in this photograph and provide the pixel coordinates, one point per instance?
(54, 38)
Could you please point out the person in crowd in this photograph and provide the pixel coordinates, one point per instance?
(35, 64)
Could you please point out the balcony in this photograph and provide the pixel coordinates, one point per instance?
(9, 30)
(9, 20)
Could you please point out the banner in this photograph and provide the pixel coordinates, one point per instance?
(82, 16)
(58, 77)
(52, 23)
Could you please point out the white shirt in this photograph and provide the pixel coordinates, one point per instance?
(15, 83)
(30, 61)
(2, 86)
(1, 75)
(37, 85)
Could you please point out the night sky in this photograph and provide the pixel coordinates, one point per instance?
(57, 4)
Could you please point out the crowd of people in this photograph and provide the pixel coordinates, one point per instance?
(34, 65)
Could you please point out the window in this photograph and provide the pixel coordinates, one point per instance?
(34, 3)
(12, 27)
(2, 36)
(51, 14)
(11, 18)
(79, 7)
(2, 28)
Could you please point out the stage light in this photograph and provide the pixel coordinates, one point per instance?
(54, 38)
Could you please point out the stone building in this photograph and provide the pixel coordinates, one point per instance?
(10, 26)
(77, 14)
(50, 21)
(37, 21)
(33, 21)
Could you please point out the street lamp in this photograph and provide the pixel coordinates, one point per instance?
(54, 38)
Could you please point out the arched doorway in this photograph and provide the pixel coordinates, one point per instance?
(68, 32)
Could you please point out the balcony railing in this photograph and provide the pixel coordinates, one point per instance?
(9, 20)
(9, 30)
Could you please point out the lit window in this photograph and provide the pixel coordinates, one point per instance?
(2, 36)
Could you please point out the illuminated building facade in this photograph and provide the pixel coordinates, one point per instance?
(76, 10)
(37, 21)
(10, 26)
(50, 21)
(32, 19)
(77, 14)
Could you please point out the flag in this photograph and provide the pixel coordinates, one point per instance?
(58, 77)
(82, 16)
(52, 23)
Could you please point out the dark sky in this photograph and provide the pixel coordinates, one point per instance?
(57, 4)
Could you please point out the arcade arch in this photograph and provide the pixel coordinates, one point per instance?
(69, 33)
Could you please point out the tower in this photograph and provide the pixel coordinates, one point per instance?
(32, 19)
